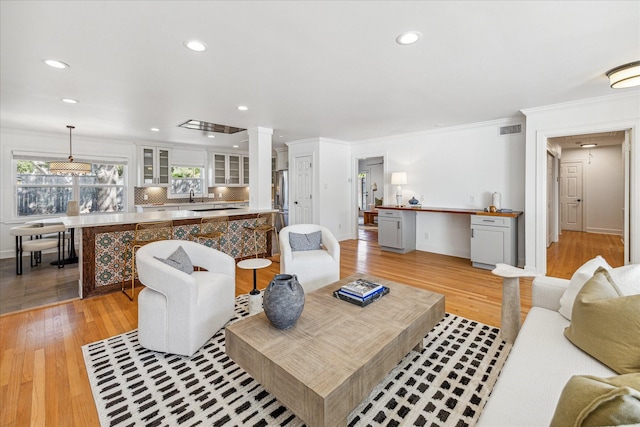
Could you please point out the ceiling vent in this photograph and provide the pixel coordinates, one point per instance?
(508, 130)
(210, 127)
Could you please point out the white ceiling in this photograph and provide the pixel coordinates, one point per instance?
(305, 69)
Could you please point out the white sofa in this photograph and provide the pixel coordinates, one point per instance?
(541, 362)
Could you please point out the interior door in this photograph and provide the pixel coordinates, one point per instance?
(571, 196)
(302, 199)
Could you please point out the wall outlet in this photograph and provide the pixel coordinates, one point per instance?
(145, 197)
(426, 236)
(219, 195)
(472, 199)
(339, 226)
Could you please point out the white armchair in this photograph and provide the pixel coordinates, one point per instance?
(179, 312)
(314, 268)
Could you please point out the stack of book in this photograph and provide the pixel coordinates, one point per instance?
(361, 292)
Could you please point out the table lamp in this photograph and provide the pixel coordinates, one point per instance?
(399, 179)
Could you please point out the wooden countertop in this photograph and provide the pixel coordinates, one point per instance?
(462, 211)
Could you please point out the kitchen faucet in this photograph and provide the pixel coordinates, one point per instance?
(191, 196)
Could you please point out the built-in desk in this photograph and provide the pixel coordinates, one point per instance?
(493, 235)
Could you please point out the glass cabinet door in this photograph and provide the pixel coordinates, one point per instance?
(245, 170)
(219, 169)
(234, 170)
(147, 165)
(163, 166)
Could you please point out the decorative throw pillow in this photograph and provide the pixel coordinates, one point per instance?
(305, 242)
(592, 401)
(178, 259)
(578, 279)
(606, 325)
(627, 279)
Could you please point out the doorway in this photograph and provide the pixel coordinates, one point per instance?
(369, 195)
(592, 194)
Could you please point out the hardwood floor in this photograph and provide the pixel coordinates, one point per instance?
(42, 373)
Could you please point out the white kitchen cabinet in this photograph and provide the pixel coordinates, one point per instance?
(397, 230)
(493, 241)
(245, 170)
(282, 160)
(226, 169)
(153, 166)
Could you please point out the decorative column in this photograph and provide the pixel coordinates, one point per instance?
(260, 168)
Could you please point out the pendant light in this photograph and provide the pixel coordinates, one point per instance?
(71, 167)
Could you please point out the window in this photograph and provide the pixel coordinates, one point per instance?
(42, 193)
(185, 179)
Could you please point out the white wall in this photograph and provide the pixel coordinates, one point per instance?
(603, 191)
(457, 167)
(38, 143)
(616, 112)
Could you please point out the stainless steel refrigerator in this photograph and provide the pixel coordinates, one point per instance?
(281, 196)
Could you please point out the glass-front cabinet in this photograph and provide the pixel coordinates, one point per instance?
(153, 166)
(227, 169)
(245, 170)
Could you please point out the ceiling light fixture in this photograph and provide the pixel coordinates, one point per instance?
(195, 45)
(71, 167)
(624, 76)
(408, 37)
(589, 145)
(55, 63)
(69, 100)
(243, 107)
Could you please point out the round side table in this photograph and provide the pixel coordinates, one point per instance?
(255, 297)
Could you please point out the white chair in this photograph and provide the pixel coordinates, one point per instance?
(38, 242)
(314, 268)
(179, 312)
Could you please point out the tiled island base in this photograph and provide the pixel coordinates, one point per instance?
(105, 249)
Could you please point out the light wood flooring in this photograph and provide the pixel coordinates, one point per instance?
(43, 380)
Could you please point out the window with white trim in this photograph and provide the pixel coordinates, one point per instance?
(38, 192)
(185, 179)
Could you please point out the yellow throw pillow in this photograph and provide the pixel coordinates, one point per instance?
(607, 325)
(591, 401)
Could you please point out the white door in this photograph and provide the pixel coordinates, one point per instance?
(571, 200)
(302, 199)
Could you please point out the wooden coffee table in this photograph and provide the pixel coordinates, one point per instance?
(323, 367)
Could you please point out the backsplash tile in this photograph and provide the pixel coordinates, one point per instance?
(159, 195)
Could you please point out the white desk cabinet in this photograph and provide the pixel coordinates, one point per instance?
(396, 230)
(493, 241)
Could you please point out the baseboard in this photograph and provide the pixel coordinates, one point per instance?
(604, 231)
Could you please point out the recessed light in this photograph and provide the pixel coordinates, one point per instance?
(408, 37)
(235, 146)
(69, 100)
(588, 145)
(154, 130)
(211, 135)
(195, 45)
(243, 107)
(55, 63)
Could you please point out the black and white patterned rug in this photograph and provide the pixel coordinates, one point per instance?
(447, 384)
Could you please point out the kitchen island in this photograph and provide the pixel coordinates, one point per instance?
(104, 245)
